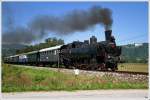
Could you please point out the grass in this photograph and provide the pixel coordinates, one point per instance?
(18, 79)
(135, 67)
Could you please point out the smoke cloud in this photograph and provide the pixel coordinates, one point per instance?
(77, 20)
(19, 35)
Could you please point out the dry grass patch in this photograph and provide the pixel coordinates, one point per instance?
(134, 67)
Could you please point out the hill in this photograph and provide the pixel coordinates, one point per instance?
(10, 49)
(135, 52)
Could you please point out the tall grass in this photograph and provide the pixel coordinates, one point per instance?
(16, 79)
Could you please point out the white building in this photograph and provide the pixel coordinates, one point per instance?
(138, 44)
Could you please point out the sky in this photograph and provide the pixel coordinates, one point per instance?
(130, 19)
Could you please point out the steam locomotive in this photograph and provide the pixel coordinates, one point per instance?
(103, 55)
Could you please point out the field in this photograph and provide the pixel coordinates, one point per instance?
(134, 67)
(17, 79)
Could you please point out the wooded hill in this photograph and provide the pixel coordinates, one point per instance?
(135, 53)
(13, 49)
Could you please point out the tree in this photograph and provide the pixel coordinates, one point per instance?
(49, 42)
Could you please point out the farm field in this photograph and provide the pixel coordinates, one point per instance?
(17, 79)
(134, 67)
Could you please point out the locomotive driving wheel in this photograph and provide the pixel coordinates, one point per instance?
(101, 67)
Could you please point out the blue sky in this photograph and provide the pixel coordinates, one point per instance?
(130, 19)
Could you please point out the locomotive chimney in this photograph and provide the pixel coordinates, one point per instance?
(108, 35)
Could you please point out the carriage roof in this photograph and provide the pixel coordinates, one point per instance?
(51, 48)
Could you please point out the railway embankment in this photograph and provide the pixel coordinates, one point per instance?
(19, 78)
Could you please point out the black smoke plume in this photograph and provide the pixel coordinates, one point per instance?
(19, 35)
(77, 20)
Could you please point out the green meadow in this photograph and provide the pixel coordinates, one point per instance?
(19, 79)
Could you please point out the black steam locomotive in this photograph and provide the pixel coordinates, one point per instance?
(95, 55)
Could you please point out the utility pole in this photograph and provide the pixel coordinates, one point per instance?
(58, 59)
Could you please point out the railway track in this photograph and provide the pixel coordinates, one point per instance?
(127, 72)
(119, 72)
(83, 70)
(122, 72)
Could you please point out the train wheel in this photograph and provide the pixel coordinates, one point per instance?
(101, 67)
(113, 69)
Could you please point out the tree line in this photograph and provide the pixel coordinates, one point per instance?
(49, 42)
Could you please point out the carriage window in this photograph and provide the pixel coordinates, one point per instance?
(52, 52)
